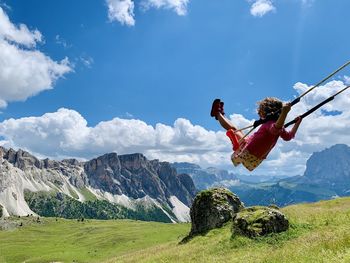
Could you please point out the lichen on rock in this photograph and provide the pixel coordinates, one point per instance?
(259, 221)
(212, 209)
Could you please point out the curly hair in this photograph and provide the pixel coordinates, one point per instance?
(270, 107)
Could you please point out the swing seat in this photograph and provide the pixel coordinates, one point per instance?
(241, 155)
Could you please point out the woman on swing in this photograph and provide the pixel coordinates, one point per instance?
(252, 150)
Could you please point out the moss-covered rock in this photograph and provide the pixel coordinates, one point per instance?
(212, 208)
(259, 221)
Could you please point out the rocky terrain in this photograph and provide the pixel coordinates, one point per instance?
(130, 181)
(215, 207)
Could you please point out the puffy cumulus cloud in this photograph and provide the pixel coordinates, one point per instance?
(240, 121)
(65, 133)
(262, 7)
(282, 160)
(49, 135)
(121, 11)
(18, 34)
(25, 71)
(179, 6)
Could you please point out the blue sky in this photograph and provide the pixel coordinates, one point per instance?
(81, 78)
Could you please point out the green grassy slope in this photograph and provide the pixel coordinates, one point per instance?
(319, 232)
(89, 241)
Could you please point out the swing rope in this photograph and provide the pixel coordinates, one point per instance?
(295, 101)
(317, 106)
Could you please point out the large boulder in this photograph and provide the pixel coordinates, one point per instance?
(259, 221)
(212, 208)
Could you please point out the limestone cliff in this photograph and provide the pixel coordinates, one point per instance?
(130, 180)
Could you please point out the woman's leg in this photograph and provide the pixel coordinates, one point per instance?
(227, 125)
(217, 111)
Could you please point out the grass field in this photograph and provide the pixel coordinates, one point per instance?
(319, 232)
(88, 241)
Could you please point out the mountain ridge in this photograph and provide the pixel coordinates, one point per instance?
(327, 176)
(128, 180)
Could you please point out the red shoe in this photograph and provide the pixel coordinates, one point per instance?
(217, 107)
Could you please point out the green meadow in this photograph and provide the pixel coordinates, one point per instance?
(319, 232)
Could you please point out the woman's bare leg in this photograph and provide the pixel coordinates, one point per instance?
(227, 125)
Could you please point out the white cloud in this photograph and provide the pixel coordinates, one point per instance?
(65, 133)
(262, 7)
(61, 41)
(24, 71)
(179, 6)
(121, 11)
(86, 60)
(21, 34)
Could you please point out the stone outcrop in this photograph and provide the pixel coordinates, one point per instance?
(20, 159)
(330, 168)
(135, 176)
(212, 208)
(259, 221)
(113, 177)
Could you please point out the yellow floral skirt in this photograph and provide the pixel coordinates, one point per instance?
(242, 156)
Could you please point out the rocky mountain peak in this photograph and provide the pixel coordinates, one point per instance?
(71, 161)
(331, 163)
(112, 177)
(20, 159)
(330, 168)
(107, 160)
(134, 162)
(136, 176)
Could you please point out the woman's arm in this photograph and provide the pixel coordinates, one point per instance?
(288, 135)
(281, 119)
(296, 125)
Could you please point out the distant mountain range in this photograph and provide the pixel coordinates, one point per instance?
(110, 186)
(130, 186)
(211, 177)
(327, 176)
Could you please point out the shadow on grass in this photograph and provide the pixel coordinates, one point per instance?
(190, 236)
(275, 239)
